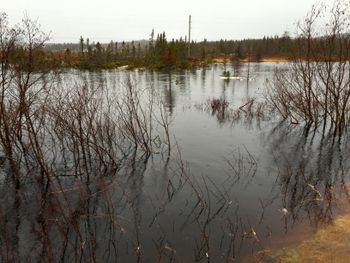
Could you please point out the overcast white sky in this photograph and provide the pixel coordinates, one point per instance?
(105, 20)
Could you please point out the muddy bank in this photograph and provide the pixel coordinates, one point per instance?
(329, 244)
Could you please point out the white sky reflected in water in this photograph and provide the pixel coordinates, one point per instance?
(106, 20)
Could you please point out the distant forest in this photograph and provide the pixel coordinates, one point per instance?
(162, 54)
(159, 53)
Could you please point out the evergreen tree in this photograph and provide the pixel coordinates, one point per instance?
(133, 52)
(81, 43)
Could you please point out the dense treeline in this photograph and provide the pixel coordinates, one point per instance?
(255, 48)
(158, 53)
(161, 54)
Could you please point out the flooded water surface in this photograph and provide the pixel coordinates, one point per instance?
(239, 185)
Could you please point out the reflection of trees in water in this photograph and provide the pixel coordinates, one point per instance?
(237, 67)
(179, 217)
(203, 75)
(106, 218)
(61, 157)
(250, 113)
(71, 219)
(94, 209)
(312, 172)
(75, 179)
(169, 98)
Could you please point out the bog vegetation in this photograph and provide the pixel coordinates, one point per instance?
(51, 136)
(315, 90)
(47, 131)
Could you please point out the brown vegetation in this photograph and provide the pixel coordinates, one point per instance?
(316, 88)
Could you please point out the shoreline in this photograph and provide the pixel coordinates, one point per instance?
(191, 64)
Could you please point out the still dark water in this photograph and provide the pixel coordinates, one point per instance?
(232, 187)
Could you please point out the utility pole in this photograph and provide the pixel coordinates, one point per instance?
(189, 36)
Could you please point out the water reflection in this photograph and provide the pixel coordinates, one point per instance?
(312, 171)
(169, 98)
(226, 192)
